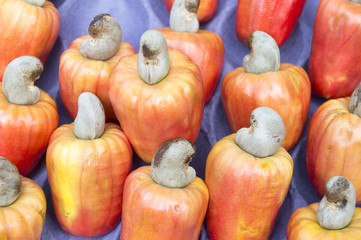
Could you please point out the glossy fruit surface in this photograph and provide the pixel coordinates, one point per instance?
(26, 30)
(287, 91)
(277, 18)
(24, 218)
(25, 130)
(205, 48)
(334, 64)
(246, 192)
(78, 74)
(86, 179)
(152, 114)
(154, 212)
(333, 145)
(303, 225)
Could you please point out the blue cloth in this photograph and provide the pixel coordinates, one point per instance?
(135, 17)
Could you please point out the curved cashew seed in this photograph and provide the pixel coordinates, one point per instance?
(90, 120)
(38, 3)
(355, 101)
(104, 38)
(153, 57)
(264, 56)
(337, 206)
(10, 182)
(183, 16)
(19, 78)
(266, 134)
(170, 164)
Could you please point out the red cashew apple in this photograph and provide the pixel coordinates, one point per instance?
(22, 204)
(28, 27)
(334, 65)
(248, 175)
(88, 62)
(157, 95)
(277, 18)
(87, 163)
(334, 218)
(204, 47)
(28, 114)
(333, 142)
(263, 81)
(165, 200)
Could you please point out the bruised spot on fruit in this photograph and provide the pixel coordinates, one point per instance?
(153, 58)
(104, 38)
(18, 80)
(157, 159)
(150, 56)
(177, 208)
(147, 52)
(336, 193)
(264, 54)
(158, 156)
(96, 25)
(170, 164)
(343, 203)
(192, 6)
(34, 73)
(336, 208)
(183, 16)
(250, 42)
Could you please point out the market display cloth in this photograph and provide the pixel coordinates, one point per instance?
(136, 17)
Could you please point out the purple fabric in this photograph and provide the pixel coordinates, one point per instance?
(137, 16)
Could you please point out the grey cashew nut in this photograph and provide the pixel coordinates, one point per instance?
(170, 164)
(19, 78)
(104, 38)
(354, 104)
(38, 3)
(336, 208)
(183, 16)
(266, 134)
(10, 182)
(153, 57)
(90, 120)
(264, 56)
